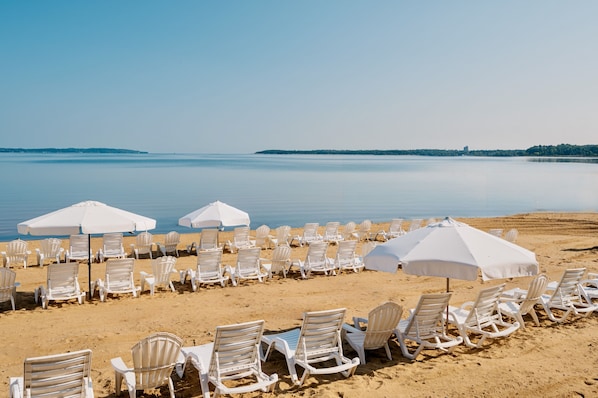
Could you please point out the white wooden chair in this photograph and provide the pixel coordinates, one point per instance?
(234, 355)
(317, 341)
(379, 328)
(60, 375)
(50, 249)
(118, 278)
(162, 270)
(112, 247)
(16, 252)
(79, 249)
(62, 284)
(144, 244)
(171, 241)
(280, 262)
(283, 234)
(261, 236)
(8, 286)
(154, 359)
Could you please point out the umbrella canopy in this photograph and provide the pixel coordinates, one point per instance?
(453, 249)
(214, 215)
(88, 217)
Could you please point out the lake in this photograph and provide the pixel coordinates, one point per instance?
(294, 189)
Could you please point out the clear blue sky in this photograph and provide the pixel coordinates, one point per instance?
(241, 76)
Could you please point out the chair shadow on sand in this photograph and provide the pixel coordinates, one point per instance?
(581, 249)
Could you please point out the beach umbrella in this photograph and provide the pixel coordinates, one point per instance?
(452, 249)
(87, 217)
(215, 215)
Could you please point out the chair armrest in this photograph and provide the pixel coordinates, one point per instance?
(351, 329)
(119, 365)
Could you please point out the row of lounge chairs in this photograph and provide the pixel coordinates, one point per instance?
(316, 347)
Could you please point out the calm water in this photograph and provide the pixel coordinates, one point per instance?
(283, 189)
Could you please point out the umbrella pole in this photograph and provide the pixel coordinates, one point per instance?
(89, 264)
(447, 308)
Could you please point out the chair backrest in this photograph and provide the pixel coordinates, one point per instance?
(236, 350)
(283, 233)
(485, 308)
(154, 358)
(331, 230)
(62, 280)
(566, 292)
(382, 321)
(281, 258)
(536, 288)
(348, 230)
(345, 253)
(113, 242)
(396, 227)
(162, 268)
(416, 223)
(310, 231)
(208, 262)
(61, 375)
(426, 320)
(248, 260)
(16, 248)
(144, 241)
(241, 235)
(50, 247)
(7, 283)
(316, 254)
(261, 235)
(511, 235)
(79, 246)
(119, 273)
(320, 335)
(208, 239)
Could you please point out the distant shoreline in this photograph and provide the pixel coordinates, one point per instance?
(70, 150)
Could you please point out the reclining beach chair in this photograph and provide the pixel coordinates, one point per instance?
(394, 230)
(316, 342)
(62, 284)
(240, 240)
(331, 234)
(16, 252)
(79, 249)
(568, 297)
(315, 261)
(50, 249)
(118, 278)
(234, 355)
(310, 234)
(345, 258)
(112, 247)
(209, 270)
(248, 266)
(518, 303)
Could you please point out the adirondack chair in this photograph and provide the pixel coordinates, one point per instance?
(50, 249)
(16, 252)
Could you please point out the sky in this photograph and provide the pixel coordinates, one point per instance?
(239, 76)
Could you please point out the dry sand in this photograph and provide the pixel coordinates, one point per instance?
(554, 360)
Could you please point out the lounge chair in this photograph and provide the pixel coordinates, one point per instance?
(144, 244)
(209, 270)
(416, 223)
(240, 240)
(50, 249)
(62, 284)
(315, 261)
(233, 355)
(482, 318)
(394, 230)
(331, 234)
(280, 262)
(208, 240)
(171, 241)
(248, 266)
(345, 258)
(16, 252)
(118, 278)
(426, 327)
(364, 231)
(349, 231)
(162, 270)
(283, 233)
(379, 328)
(318, 341)
(519, 303)
(79, 249)
(261, 237)
(60, 375)
(310, 234)
(154, 359)
(112, 247)
(511, 235)
(568, 297)
(8, 286)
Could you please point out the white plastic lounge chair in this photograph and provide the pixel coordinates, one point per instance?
(144, 244)
(154, 359)
(79, 249)
(331, 234)
(112, 247)
(517, 305)
(315, 261)
(16, 252)
(364, 230)
(60, 375)
(496, 232)
(416, 223)
(233, 355)
(261, 236)
(345, 258)
(8, 286)
(482, 318)
(349, 230)
(380, 325)
(171, 241)
(50, 249)
(248, 266)
(318, 341)
(209, 270)
(62, 284)
(568, 297)
(280, 262)
(208, 240)
(394, 230)
(511, 235)
(283, 234)
(118, 278)
(240, 240)
(162, 269)
(426, 326)
(310, 234)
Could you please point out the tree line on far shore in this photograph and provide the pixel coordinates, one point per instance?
(538, 150)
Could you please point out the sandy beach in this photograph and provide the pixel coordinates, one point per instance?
(553, 360)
